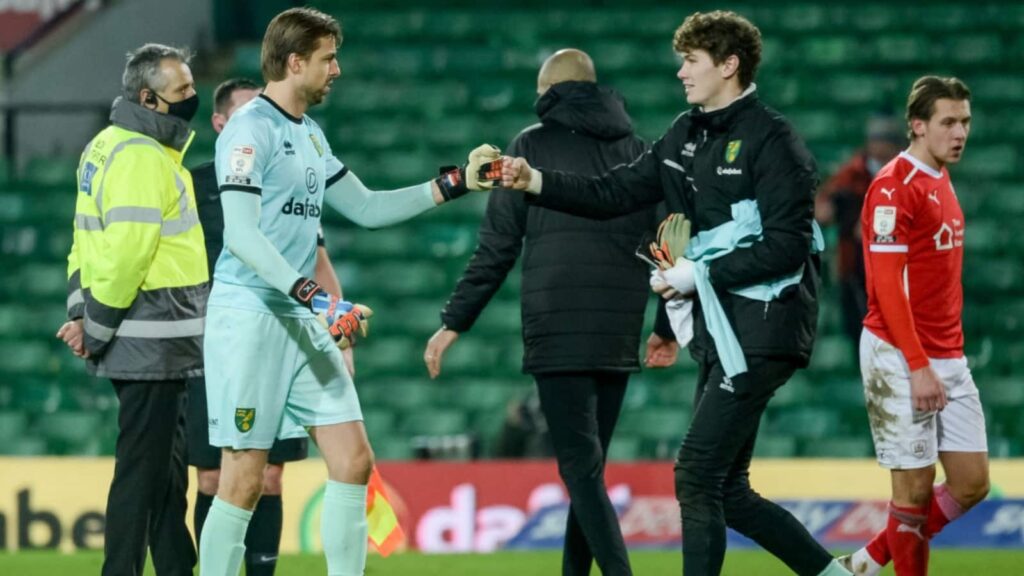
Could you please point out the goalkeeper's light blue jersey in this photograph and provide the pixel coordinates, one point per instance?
(287, 161)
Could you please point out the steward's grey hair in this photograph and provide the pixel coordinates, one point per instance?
(143, 68)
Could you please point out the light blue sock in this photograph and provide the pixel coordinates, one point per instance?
(835, 569)
(222, 545)
(343, 528)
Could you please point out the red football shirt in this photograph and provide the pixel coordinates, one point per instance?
(913, 234)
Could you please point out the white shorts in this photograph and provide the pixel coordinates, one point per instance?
(270, 376)
(906, 439)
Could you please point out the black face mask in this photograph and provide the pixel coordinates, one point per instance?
(184, 109)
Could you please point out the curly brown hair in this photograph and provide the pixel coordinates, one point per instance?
(722, 34)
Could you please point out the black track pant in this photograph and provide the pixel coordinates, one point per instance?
(713, 479)
(581, 409)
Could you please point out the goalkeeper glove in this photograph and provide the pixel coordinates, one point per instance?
(482, 172)
(343, 320)
(673, 238)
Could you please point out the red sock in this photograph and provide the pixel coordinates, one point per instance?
(944, 509)
(907, 542)
(878, 548)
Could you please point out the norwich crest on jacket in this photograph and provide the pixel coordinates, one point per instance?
(244, 418)
(732, 150)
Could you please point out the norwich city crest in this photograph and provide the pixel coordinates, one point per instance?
(732, 150)
(316, 143)
(244, 418)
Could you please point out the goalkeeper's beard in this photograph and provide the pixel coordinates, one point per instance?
(315, 96)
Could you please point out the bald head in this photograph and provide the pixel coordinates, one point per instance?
(565, 65)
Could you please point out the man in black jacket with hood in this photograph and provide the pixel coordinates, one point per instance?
(730, 151)
(583, 297)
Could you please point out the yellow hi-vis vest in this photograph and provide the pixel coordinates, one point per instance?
(137, 272)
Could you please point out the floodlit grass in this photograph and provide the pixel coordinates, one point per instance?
(739, 563)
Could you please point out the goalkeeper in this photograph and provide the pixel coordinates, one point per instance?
(272, 370)
(743, 177)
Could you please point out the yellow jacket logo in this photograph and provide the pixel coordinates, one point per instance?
(244, 418)
(732, 150)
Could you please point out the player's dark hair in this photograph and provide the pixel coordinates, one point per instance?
(924, 93)
(294, 31)
(722, 34)
(226, 89)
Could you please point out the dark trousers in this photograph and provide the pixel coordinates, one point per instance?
(147, 503)
(581, 409)
(713, 478)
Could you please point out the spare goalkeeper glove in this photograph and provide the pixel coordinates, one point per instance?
(482, 172)
(342, 319)
(673, 238)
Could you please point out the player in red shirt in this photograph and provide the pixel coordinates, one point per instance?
(922, 403)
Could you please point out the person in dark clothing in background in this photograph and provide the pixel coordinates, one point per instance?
(263, 537)
(839, 202)
(583, 297)
(745, 180)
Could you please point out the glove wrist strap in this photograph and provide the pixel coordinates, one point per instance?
(304, 290)
(452, 182)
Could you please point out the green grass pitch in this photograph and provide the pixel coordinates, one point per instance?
(739, 563)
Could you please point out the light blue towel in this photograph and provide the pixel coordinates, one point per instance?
(743, 230)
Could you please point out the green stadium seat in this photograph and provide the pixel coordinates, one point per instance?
(14, 207)
(1000, 201)
(834, 353)
(389, 355)
(990, 162)
(71, 432)
(12, 426)
(815, 124)
(399, 279)
(484, 394)
(393, 447)
(804, 422)
(436, 422)
(375, 245)
(902, 49)
(378, 422)
(1002, 392)
(798, 391)
(27, 356)
(775, 446)
(1000, 447)
(624, 447)
(993, 275)
(24, 446)
(400, 396)
(655, 423)
(984, 236)
(42, 280)
(944, 17)
(995, 88)
(838, 447)
(53, 170)
(830, 51)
